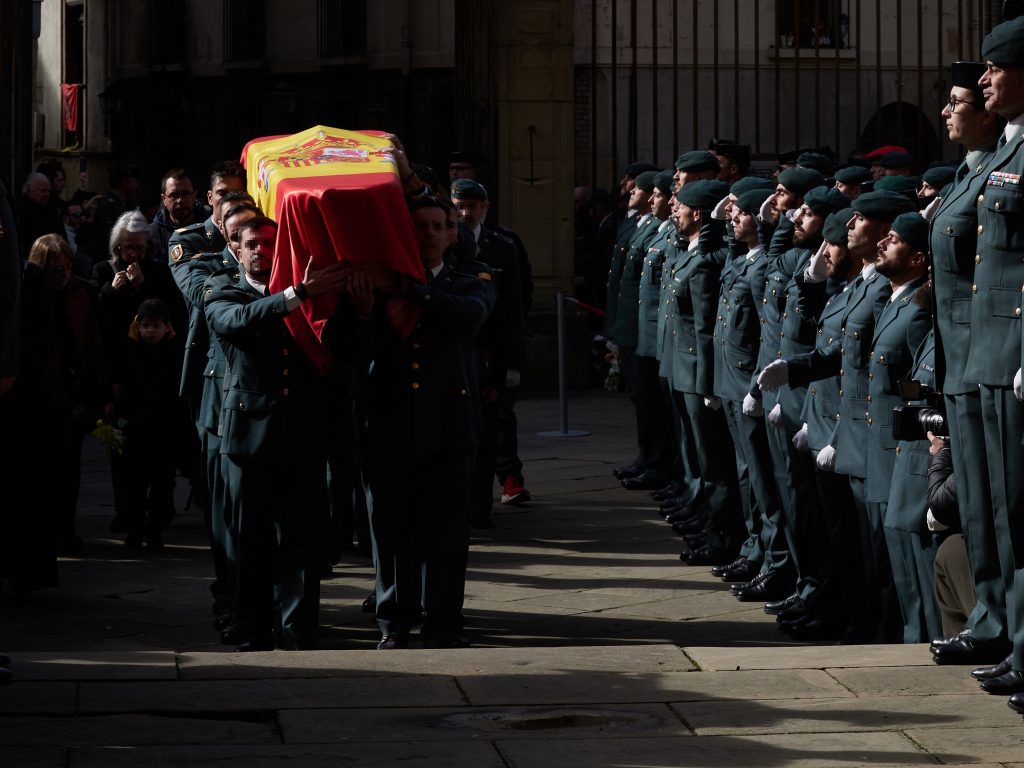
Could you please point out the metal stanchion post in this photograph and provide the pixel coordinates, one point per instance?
(563, 378)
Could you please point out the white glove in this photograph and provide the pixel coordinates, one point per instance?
(752, 406)
(767, 212)
(800, 439)
(719, 210)
(775, 416)
(929, 210)
(774, 375)
(826, 460)
(792, 213)
(713, 403)
(1017, 389)
(512, 378)
(934, 525)
(817, 269)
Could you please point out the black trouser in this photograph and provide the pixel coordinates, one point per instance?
(507, 462)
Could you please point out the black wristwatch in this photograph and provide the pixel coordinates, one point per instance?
(300, 291)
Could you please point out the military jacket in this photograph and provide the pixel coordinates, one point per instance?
(850, 359)
(900, 329)
(821, 399)
(423, 391)
(627, 228)
(501, 337)
(908, 497)
(202, 379)
(664, 349)
(695, 291)
(954, 247)
(996, 338)
(186, 242)
(650, 290)
(628, 318)
(273, 396)
(738, 325)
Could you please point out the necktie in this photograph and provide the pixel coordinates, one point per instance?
(962, 171)
(1002, 141)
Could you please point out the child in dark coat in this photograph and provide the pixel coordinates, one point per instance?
(154, 415)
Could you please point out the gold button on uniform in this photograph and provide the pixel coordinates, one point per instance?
(415, 366)
(974, 288)
(285, 391)
(870, 422)
(1016, 312)
(415, 345)
(981, 199)
(897, 450)
(977, 259)
(980, 229)
(462, 392)
(415, 385)
(284, 352)
(284, 372)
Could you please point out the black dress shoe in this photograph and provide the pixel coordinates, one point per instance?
(706, 555)
(796, 610)
(947, 640)
(720, 570)
(815, 628)
(642, 483)
(1016, 703)
(773, 586)
(675, 506)
(393, 642)
(692, 524)
(631, 470)
(996, 670)
(449, 638)
(775, 607)
(1005, 685)
(967, 649)
(370, 603)
(670, 491)
(743, 572)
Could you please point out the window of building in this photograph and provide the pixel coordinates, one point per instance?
(165, 33)
(245, 30)
(341, 28)
(812, 24)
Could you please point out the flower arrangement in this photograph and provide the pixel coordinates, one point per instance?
(111, 435)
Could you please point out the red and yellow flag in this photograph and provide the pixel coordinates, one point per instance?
(336, 197)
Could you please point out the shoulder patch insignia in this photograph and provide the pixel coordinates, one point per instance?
(177, 251)
(484, 275)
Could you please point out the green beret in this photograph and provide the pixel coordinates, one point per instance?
(800, 181)
(646, 180)
(896, 160)
(939, 176)
(882, 205)
(752, 200)
(748, 183)
(826, 200)
(817, 161)
(966, 74)
(835, 229)
(663, 182)
(635, 169)
(1004, 45)
(899, 184)
(913, 229)
(702, 194)
(697, 160)
(467, 189)
(853, 174)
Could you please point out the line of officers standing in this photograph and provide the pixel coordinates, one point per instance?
(267, 430)
(767, 331)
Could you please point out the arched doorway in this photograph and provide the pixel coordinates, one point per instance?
(903, 124)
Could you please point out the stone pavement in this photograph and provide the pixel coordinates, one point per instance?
(593, 646)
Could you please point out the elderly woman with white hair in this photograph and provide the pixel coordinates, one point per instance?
(125, 280)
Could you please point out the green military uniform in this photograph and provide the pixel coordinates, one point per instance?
(954, 249)
(694, 289)
(271, 427)
(912, 546)
(995, 356)
(737, 344)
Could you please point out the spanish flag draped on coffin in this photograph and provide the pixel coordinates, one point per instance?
(336, 196)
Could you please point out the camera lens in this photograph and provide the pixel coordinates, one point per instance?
(932, 421)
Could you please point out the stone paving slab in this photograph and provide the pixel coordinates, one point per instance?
(329, 726)
(38, 698)
(908, 681)
(226, 696)
(136, 665)
(658, 659)
(996, 744)
(564, 687)
(743, 716)
(132, 730)
(445, 755)
(828, 750)
(811, 657)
